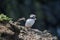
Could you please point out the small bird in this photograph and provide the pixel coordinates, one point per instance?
(30, 21)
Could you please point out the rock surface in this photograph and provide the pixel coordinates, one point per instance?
(14, 31)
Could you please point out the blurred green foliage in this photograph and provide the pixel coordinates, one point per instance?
(4, 18)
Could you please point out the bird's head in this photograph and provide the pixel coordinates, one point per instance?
(33, 16)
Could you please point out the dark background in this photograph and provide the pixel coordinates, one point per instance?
(47, 12)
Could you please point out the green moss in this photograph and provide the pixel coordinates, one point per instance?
(4, 18)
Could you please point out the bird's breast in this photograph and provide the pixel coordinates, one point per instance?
(29, 22)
